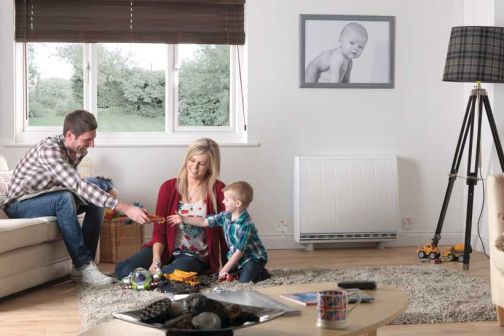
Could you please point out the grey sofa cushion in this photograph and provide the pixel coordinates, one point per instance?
(17, 233)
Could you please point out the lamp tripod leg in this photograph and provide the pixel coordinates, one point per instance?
(464, 130)
(472, 175)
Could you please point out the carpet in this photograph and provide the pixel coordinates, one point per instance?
(436, 294)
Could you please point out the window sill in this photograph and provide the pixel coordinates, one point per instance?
(141, 145)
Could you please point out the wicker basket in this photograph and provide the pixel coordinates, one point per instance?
(119, 240)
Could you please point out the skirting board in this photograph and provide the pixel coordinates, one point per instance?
(286, 241)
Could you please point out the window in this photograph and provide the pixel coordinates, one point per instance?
(203, 86)
(151, 71)
(156, 93)
(131, 87)
(54, 85)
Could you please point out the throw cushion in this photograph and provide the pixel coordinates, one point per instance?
(5, 178)
(499, 243)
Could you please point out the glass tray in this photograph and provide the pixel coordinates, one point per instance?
(265, 314)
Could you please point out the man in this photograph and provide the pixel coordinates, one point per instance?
(46, 183)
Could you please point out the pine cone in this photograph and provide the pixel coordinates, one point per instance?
(156, 312)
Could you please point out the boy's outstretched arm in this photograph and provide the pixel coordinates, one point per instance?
(196, 221)
(232, 262)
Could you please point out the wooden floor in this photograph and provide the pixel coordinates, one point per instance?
(52, 309)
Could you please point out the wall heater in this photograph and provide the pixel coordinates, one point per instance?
(345, 199)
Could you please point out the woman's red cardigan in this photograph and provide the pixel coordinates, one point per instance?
(168, 204)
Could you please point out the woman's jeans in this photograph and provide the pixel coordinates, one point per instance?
(81, 243)
(144, 259)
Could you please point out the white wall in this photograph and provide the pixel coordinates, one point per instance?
(485, 13)
(418, 120)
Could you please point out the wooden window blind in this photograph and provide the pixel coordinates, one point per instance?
(141, 21)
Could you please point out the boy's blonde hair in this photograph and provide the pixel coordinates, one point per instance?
(241, 191)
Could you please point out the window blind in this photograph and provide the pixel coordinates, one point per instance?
(141, 21)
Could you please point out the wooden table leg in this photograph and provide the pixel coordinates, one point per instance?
(500, 315)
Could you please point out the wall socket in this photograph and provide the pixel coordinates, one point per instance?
(282, 226)
(407, 222)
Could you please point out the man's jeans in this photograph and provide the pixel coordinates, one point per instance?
(80, 243)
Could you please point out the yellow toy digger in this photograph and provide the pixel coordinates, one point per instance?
(451, 253)
(428, 251)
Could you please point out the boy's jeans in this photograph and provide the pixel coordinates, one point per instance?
(80, 243)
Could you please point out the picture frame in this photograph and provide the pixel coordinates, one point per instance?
(347, 51)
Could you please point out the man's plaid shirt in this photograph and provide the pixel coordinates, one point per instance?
(48, 167)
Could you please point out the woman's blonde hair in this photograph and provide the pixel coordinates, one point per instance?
(199, 147)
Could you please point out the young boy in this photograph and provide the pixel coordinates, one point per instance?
(246, 251)
(335, 65)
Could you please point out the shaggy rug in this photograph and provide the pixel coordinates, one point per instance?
(436, 294)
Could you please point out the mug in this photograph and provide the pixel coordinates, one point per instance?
(332, 308)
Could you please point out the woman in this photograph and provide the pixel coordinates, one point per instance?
(195, 192)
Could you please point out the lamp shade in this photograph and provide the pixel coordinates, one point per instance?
(475, 53)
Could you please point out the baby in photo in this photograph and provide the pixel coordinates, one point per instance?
(335, 65)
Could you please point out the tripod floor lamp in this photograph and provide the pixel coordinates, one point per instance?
(475, 54)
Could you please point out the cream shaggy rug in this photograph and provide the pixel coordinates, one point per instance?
(436, 294)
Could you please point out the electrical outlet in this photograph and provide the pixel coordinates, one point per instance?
(282, 226)
(407, 222)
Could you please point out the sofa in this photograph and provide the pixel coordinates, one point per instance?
(32, 251)
(495, 195)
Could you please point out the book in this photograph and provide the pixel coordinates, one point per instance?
(310, 298)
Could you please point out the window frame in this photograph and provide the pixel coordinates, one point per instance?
(235, 133)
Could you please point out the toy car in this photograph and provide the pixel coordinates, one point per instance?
(428, 251)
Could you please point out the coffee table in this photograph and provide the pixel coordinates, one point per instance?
(364, 320)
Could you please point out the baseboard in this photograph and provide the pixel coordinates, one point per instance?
(287, 242)
(417, 238)
(476, 244)
(280, 242)
(410, 239)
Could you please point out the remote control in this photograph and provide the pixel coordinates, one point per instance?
(364, 284)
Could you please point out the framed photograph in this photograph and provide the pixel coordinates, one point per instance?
(347, 51)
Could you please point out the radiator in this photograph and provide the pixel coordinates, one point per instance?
(345, 199)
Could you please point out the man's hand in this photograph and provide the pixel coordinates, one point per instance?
(175, 219)
(137, 214)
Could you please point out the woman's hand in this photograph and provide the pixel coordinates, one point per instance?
(175, 219)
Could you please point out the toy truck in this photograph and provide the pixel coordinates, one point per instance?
(455, 252)
(451, 253)
(428, 251)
